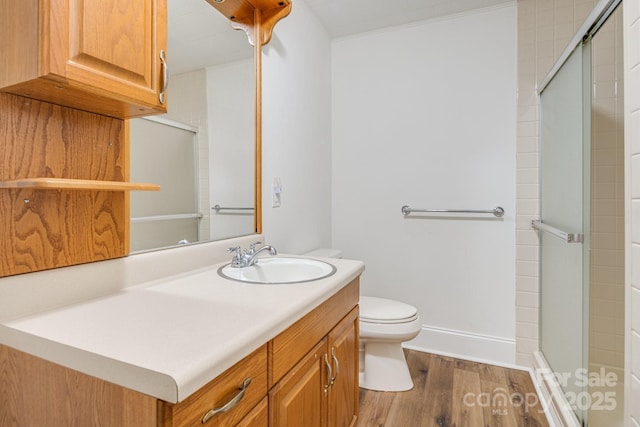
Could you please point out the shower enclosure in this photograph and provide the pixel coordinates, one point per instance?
(581, 225)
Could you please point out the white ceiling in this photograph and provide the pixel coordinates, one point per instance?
(345, 17)
(199, 36)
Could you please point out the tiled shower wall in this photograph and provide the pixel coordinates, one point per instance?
(606, 337)
(545, 27)
(632, 124)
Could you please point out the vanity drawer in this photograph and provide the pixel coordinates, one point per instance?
(220, 392)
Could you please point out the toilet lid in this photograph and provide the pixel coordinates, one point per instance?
(381, 310)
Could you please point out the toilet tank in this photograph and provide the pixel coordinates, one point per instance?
(325, 253)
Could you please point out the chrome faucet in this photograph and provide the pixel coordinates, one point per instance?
(247, 258)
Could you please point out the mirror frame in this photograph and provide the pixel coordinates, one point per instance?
(257, 19)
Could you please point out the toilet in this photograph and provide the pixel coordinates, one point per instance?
(384, 325)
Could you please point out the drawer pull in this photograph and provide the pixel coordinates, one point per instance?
(335, 361)
(165, 76)
(230, 404)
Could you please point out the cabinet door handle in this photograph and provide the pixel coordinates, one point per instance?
(230, 404)
(329, 379)
(337, 365)
(165, 76)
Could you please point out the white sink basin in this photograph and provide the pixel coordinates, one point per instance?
(279, 270)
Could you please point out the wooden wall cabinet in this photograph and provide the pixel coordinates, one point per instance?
(107, 57)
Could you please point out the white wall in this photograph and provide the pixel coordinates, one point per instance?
(297, 133)
(424, 115)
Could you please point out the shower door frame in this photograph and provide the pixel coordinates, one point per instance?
(560, 409)
(564, 275)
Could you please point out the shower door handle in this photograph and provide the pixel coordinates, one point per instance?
(562, 235)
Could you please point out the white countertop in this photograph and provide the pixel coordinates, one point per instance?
(170, 337)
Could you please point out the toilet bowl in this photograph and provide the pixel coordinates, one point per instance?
(384, 325)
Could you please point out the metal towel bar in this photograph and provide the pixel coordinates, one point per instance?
(219, 208)
(497, 212)
(567, 237)
(196, 215)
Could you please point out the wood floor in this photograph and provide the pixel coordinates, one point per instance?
(455, 393)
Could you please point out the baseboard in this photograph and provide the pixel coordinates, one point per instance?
(464, 345)
(556, 405)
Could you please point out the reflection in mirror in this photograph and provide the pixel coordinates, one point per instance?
(202, 151)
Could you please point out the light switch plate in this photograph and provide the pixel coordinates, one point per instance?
(277, 190)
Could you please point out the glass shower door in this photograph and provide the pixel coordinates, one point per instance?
(562, 207)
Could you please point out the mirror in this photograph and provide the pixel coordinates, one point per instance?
(202, 152)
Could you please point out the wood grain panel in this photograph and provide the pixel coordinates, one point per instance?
(291, 345)
(112, 48)
(45, 140)
(113, 35)
(258, 417)
(34, 392)
(299, 398)
(43, 228)
(18, 43)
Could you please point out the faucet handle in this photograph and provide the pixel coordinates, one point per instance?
(237, 255)
(252, 246)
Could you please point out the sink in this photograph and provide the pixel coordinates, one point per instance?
(280, 270)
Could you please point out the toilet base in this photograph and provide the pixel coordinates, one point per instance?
(385, 367)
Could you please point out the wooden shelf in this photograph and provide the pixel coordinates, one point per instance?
(77, 184)
(254, 15)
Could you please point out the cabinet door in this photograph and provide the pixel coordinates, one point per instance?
(112, 45)
(343, 351)
(300, 398)
(98, 56)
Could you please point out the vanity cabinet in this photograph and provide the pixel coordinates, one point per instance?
(300, 398)
(107, 57)
(305, 376)
(343, 348)
(321, 387)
